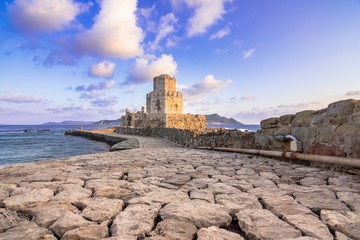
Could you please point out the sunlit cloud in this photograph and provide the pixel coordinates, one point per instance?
(248, 54)
(221, 33)
(353, 93)
(103, 69)
(144, 70)
(166, 27)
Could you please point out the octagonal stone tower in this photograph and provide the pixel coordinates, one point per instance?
(164, 98)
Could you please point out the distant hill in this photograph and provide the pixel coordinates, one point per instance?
(68, 123)
(108, 122)
(216, 119)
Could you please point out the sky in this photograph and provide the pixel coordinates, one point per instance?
(89, 60)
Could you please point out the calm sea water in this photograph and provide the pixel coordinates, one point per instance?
(37, 144)
(16, 146)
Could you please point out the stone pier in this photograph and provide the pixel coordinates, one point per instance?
(164, 191)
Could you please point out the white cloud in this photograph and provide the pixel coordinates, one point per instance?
(221, 33)
(20, 98)
(102, 69)
(131, 88)
(249, 53)
(353, 93)
(208, 85)
(92, 94)
(105, 102)
(247, 97)
(114, 33)
(96, 86)
(144, 70)
(33, 16)
(206, 14)
(166, 27)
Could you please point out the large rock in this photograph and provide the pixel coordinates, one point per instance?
(67, 222)
(7, 220)
(99, 209)
(351, 199)
(302, 119)
(284, 205)
(286, 119)
(262, 224)
(202, 194)
(113, 192)
(45, 214)
(269, 123)
(222, 188)
(237, 202)
(198, 212)
(72, 194)
(96, 183)
(343, 107)
(135, 220)
(215, 233)
(171, 229)
(310, 225)
(20, 201)
(343, 221)
(92, 232)
(178, 179)
(348, 129)
(29, 231)
(160, 195)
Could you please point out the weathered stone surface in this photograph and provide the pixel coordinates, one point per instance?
(269, 123)
(27, 230)
(343, 107)
(238, 201)
(161, 195)
(303, 134)
(135, 175)
(343, 221)
(311, 181)
(310, 225)
(351, 199)
(198, 212)
(317, 199)
(341, 236)
(72, 195)
(113, 192)
(99, 209)
(92, 232)
(242, 185)
(262, 140)
(286, 119)
(98, 183)
(171, 229)
(7, 220)
(45, 214)
(178, 179)
(67, 222)
(284, 205)
(222, 188)
(125, 145)
(262, 224)
(135, 220)
(261, 192)
(302, 119)
(202, 194)
(215, 233)
(20, 201)
(348, 129)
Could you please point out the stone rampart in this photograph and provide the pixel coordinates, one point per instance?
(333, 131)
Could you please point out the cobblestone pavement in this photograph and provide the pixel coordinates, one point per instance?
(161, 191)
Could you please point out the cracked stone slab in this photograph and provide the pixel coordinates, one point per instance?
(72, 194)
(67, 222)
(202, 194)
(237, 202)
(99, 209)
(29, 231)
(262, 224)
(7, 219)
(171, 229)
(346, 222)
(160, 195)
(135, 220)
(92, 232)
(198, 212)
(310, 225)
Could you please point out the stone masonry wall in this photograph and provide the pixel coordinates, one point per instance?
(331, 131)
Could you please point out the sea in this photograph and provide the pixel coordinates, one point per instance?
(25, 143)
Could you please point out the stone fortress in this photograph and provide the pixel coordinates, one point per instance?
(164, 109)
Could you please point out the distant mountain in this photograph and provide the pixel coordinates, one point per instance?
(216, 119)
(68, 123)
(108, 122)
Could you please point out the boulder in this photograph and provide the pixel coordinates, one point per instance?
(67, 222)
(343, 107)
(238, 201)
(29, 231)
(7, 219)
(202, 194)
(286, 119)
(269, 123)
(17, 202)
(198, 212)
(92, 232)
(72, 194)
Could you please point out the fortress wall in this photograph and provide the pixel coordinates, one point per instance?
(332, 131)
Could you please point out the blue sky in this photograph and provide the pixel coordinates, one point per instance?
(247, 59)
